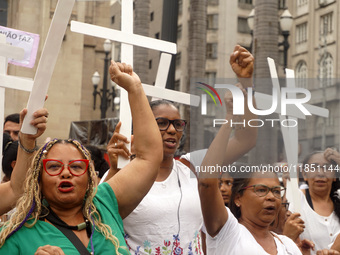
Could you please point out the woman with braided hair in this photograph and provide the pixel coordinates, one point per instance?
(62, 211)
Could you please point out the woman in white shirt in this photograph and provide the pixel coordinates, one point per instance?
(320, 204)
(254, 204)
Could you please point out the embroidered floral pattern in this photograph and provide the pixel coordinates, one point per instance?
(147, 247)
(169, 248)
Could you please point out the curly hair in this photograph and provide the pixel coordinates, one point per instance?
(30, 206)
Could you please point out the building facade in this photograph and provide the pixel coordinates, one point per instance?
(315, 57)
(70, 91)
(313, 54)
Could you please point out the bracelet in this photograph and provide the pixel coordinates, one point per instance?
(29, 151)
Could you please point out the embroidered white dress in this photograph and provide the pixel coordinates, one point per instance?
(169, 217)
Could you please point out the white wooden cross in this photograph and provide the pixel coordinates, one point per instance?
(290, 133)
(47, 61)
(290, 136)
(7, 81)
(128, 40)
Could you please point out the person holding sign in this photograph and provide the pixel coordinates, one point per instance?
(62, 211)
(11, 191)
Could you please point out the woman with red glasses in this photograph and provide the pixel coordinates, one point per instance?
(62, 211)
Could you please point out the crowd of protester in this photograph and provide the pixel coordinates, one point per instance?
(61, 202)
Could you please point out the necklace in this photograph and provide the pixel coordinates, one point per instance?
(55, 220)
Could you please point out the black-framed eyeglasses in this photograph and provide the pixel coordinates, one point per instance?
(164, 123)
(54, 167)
(262, 190)
(285, 205)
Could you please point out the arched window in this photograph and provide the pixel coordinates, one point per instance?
(301, 74)
(3, 13)
(326, 69)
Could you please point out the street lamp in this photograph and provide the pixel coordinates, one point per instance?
(105, 95)
(286, 22)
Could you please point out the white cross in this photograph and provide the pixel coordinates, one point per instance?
(7, 81)
(47, 61)
(290, 134)
(128, 40)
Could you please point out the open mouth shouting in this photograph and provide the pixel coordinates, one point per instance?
(170, 143)
(65, 187)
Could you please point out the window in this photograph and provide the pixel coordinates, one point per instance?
(212, 50)
(326, 69)
(3, 13)
(212, 21)
(301, 33)
(179, 32)
(301, 74)
(301, 3)
(282, 4)
(150, 63)
(112, 19)
(245, 1)
(151, 16)
(178, 59)
(242, 25)
(157, 35)
(326, 24)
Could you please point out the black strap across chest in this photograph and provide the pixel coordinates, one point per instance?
(67, 231)
(309, 199)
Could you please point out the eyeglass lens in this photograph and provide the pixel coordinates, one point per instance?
(55, 167)
(164, 123)
(262, 190)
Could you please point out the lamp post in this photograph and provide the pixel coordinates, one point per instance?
(286, 21)
(105, 95)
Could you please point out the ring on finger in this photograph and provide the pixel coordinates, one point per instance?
(116, 145)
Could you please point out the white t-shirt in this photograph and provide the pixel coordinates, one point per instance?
(210, 242)
(195, 157)
(235, 239)
(319, 229)
(154, 227)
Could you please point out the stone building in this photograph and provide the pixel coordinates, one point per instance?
(70, 92)
(314, 55)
